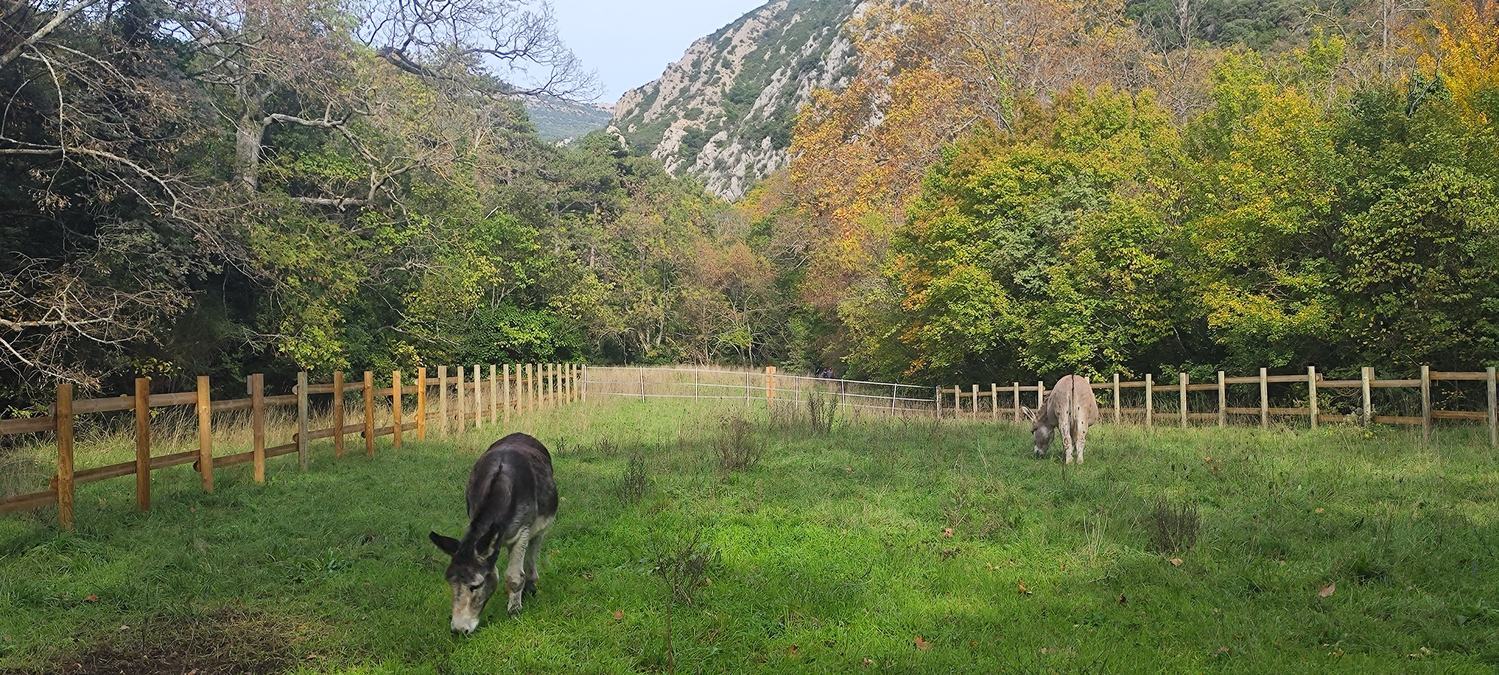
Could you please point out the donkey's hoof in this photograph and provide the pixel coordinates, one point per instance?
(530, 588)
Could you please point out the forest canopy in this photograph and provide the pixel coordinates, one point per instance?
(1002, 190)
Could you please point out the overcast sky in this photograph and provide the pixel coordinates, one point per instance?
(630, 42)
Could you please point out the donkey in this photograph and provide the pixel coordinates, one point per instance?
(1071, 408)
(512, 500)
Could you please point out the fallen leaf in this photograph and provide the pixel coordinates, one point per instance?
(1221, 651)
(618, 615)
(868, 662)
(791, 650)
(921, 644)
(1317, 510)
(1176, 562)
(1020, 585)
(1047, 650)
(124, 627)
(947, 533)
(1123, 600)
(1328, 590)
(91, 598)
(973, 644)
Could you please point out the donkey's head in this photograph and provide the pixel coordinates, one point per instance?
(1040, 432)
(473, 579)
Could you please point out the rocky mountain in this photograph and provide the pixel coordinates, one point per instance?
(559, 120)
(724, 112)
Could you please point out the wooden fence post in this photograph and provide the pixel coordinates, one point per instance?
(369, 413)
(505, 391)
(641, 373)
(478, 396)
(338, 413)
(770, 385)
(205, 434)
(1040, 395)
(556, 369)
(143, 443)
(1311, 393)
(1182, 380)
(302, 411)
(397, 402)
(1426, 404)
(957, 401)
(993, 400)
(937, 400)
(1117, 403)
(1149, 401)
(523, 387)
(462, 403)
(494, 394)
(1493, 408)
(63, 414)
(442, 399)
(1264, 399)
(1015, 400)
(1222, 401)
(585, 383)
(975, 401)
(257, 424)
(1366, 375)
(421, 403)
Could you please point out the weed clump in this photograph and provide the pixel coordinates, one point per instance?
(636, 480)
(1173, 528)
(684, 565)
(822, 411)
(737, 445)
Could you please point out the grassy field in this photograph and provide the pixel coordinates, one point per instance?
(885, 545)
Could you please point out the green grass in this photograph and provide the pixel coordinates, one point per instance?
(833, 555)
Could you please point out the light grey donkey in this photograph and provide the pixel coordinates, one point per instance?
(1070, 407)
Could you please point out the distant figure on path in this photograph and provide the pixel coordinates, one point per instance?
(1069, 406)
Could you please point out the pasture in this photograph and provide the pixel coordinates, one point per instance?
(883, 545)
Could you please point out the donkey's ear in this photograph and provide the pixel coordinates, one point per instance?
(1029, 414)
(448, 545)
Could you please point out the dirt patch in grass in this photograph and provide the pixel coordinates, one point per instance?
(223, 641)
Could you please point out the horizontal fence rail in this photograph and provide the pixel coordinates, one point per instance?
(769, 386)
(466, 397)
(996, 401)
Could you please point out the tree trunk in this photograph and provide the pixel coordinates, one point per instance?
(248, 134)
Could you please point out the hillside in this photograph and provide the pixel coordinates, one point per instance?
(558, 119)
(723, 112)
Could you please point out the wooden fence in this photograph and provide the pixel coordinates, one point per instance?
(511, 388)
(950, 399)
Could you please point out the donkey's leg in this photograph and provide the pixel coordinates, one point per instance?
(1082, 440)
(515, 571)
(1066, 427)
(532, 553)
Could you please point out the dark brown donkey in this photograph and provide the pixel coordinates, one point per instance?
(512, 500)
